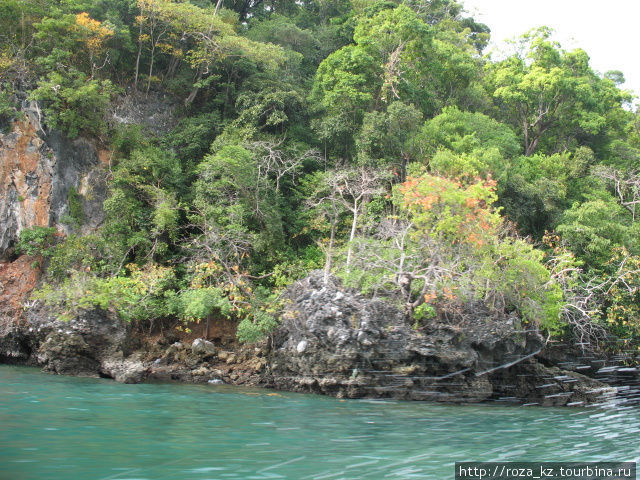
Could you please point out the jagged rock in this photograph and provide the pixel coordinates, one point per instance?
(14, 345)
(550, 386)
(338, 342)
(203, 347)
(223, 356)
(200, 371)
(81, 346)
(124, 371)
(68, 354)
(155, 111)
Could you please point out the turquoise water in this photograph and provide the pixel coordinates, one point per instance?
(54, 427)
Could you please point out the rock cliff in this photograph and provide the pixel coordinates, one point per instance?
(335, 341)
(37, 172)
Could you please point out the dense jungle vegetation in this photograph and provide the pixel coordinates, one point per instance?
(371, 139)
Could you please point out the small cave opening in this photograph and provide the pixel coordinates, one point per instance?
(102, 374)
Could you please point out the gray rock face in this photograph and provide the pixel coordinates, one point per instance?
(67, 353)
(337, 342)
(93, 344)
(124, 371)
(77, 165)
(203, 347)
(14, 345)
(154, 111)
(37, 171)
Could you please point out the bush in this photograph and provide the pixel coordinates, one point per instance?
(75, 217)
(73, 103)
(77, 252)
(196, 304)
(140, 296)
(251, 330)
(36, 241)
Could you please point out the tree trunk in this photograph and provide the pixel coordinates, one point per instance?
(352, 235)
(328, 263)
(531, 147)
(135, 82)
(192, 96)
(153, 49)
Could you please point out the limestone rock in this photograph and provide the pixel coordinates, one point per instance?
(37, 171)
(202, 347)
(124, 371)
(335, 341)
(68, 354)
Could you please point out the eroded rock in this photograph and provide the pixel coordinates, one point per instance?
(38, 169)
(203, 348)
(337, 342)
(124, 371)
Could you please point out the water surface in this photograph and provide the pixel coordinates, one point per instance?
(67, 428)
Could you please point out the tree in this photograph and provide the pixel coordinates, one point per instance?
(354, 188)
(625, 186)
(390, 138)
(73, 103)
(201, 36)
(552, 97)
(396, 59)
(380, 68)
(275, 163)
(94, 35)
(236, 209)
(151, 30)
(463, 132)
(143, 211)
(446, 248)
(594, 228)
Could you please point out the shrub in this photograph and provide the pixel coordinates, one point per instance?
(74, 104)
(36, 241)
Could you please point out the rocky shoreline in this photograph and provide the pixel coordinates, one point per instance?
(331, 341)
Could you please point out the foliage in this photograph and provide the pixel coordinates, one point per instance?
(593, 229)
(447, 249)
(196, 304)
(142, 208)
(139, 296)
(623, 303)
(369, 138)
(88, 253)
(74, 103)
(466, 132)
(552, 96)
(36, 241)
(237, 206)
(74, 203)
(252, 330)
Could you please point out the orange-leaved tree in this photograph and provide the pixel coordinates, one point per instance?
(446, 246)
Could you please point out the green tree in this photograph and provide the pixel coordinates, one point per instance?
(552, 97)
(73, 103)
(594, 228)
(236, 209)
